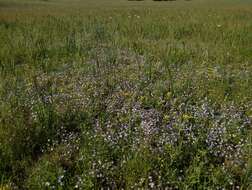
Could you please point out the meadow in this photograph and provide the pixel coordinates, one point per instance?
(117, 94)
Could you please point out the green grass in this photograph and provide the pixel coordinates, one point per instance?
(125, 95)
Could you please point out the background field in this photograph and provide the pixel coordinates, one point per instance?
(125, 95)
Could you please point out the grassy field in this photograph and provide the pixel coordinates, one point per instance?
(118, 94)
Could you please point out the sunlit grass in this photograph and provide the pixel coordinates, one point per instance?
(120, 94)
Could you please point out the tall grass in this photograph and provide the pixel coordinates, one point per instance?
(126, 98)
